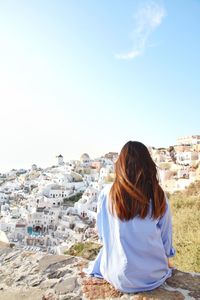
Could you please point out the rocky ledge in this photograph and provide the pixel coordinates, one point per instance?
(36, 276)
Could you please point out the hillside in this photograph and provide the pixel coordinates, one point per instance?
(185, 208)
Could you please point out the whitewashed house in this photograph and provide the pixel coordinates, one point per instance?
(3, 197)
(57, 191)
(87, 203)
(44, 219)
(36, 219)
(71, 165)
(85, 160)
(15, 212)
(7, 224)
(72, 181)
(20, 231)
(187, 158)
(105, 171)
(183, 172)
(189, 140)
(11, 174)
(60, 160)
(97, 185)
(34, 167)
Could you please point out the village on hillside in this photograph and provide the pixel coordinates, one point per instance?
(50, 209)
(178, 165)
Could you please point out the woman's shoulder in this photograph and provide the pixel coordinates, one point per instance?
(104, 194)
(106, 189)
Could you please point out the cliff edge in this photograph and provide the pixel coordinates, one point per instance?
(26, 275)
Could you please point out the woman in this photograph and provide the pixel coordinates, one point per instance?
(134, 225)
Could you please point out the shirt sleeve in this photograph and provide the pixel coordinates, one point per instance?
(165, 225)
(99, 216)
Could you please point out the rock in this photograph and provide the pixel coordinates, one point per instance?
(50, 263)
(71, 296)
(158, 294)
(20, 294)
(66, 286)
(9, 281)
(48, 283)
(10, 255)
(59, 273)
(185, 281)
(4, 245)
(35, 281)
(49, 295)
(181, 286)
(95, 288)
(2, 286)
(19, 277)
(37, 276)
(3, 238)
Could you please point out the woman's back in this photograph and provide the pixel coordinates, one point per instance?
(134, 224)
(133, 257)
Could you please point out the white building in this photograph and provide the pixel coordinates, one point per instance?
(71, 165)
(183, 172)
(187, 158)
(72, 181)
(43, 219)
(189, 140)
(85, 160)
(60, 160)
(20, 231)
(7, 224)
(42, 201)
(15, 212)
(87, 205)
(34, 167)
(3, 197)
(105, 171)
(58, 191)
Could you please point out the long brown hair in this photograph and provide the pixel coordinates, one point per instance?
(135, 184)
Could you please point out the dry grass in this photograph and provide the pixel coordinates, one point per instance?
(185, 208)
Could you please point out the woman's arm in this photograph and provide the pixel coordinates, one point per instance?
(165, 225)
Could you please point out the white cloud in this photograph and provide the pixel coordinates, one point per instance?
(148, 17)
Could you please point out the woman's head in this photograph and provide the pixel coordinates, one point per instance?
(135, 184)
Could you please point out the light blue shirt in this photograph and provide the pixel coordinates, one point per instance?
(134, 253)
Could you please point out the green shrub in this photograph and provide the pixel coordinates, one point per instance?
(74, 198)
(88, 250)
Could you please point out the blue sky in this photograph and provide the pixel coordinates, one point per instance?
(86, 76)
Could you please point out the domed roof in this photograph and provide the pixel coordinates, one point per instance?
(84, 156)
